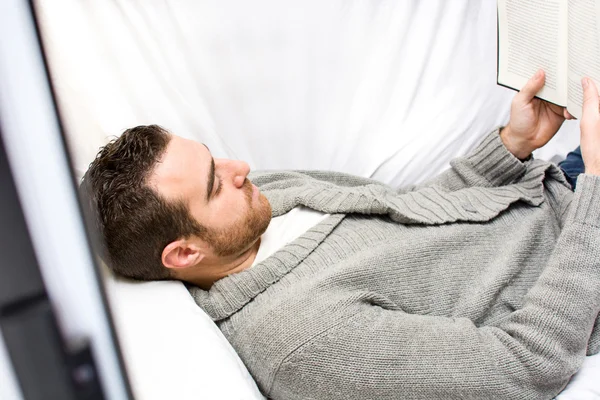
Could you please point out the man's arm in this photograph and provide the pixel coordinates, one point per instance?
(385, 353)
(533, 122)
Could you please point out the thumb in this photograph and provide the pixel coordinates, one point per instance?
(533, 85)
(590, 96)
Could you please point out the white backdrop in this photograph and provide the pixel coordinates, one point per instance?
(386, 89)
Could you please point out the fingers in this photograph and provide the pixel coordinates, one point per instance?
(533, 85)
(590, 128)
(555, 108)
(590, 96)
(567, 114)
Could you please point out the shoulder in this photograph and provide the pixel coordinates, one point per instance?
(278, 322)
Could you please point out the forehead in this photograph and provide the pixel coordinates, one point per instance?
(182, 170)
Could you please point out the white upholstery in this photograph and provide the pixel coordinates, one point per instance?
(387, 89)
(173, 349)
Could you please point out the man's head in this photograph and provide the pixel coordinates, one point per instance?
(168, 210)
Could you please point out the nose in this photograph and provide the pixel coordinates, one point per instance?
(236, 170)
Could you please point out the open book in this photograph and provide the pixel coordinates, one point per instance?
(560, 36)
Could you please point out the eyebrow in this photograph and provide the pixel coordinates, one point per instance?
(211, 179)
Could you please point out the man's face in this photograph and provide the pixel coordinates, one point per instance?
(218, 195)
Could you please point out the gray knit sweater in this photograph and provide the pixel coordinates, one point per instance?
(481, 284)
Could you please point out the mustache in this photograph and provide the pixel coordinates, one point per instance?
(247, 187)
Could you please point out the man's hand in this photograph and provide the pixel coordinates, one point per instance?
(533, 122)
(590, 128)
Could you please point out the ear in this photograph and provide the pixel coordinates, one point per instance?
(181, 254)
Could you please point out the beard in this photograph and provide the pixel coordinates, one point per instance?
(239, 238)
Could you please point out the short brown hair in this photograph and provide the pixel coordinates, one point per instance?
(135, 222)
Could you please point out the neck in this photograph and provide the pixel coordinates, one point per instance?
(213, 270)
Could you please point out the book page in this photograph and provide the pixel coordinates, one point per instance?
(584, 50)
(532, 34)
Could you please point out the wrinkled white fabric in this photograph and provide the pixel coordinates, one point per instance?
(377, 89)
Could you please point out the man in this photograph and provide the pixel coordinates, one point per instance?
(481, 284)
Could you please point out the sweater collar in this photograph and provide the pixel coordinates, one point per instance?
(230, 294)
(429, 205)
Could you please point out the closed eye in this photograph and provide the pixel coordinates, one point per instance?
(219, 186)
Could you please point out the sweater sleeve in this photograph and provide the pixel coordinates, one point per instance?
(384, 353)
(490, 164)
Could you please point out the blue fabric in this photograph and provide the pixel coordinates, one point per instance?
(572, 166)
